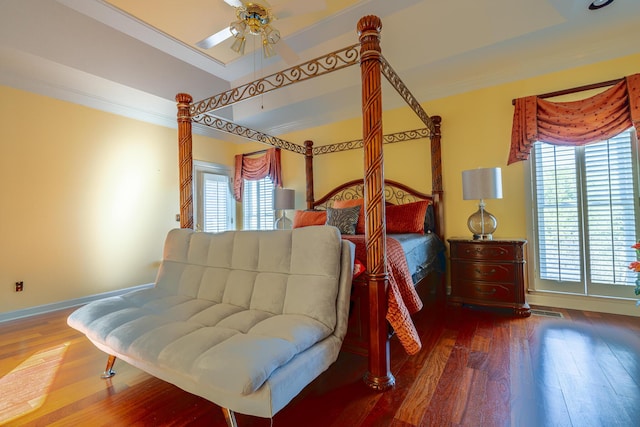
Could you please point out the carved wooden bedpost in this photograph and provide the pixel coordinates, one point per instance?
(438, 194)
(379, 375)
(436, 175)
(308, 169)
(185, 160)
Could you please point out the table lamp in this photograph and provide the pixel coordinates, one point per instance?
(283, 199)
(480, 184)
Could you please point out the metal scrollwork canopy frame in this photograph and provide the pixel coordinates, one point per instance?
(200, 111)
(367, 53)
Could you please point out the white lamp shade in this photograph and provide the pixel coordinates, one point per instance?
(283, 198)
(482, 183)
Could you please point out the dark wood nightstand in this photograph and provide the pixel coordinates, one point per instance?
(489, 273)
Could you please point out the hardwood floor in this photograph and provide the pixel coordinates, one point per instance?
(475, 369)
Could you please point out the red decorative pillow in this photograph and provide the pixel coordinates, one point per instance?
(307, 218)
(407, 218)
(341, 204)
(358, 268)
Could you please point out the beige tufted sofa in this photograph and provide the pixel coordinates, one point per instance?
(245, 319)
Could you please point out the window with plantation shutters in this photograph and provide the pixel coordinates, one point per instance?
(215, 217)
(586, 216)
(558, 212)
(213, 202)
(257, 204)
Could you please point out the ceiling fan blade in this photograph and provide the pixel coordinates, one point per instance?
(234, 3)
(263, 3)
(288, 9)
(214, 39)
(286, 52)
(238, 3)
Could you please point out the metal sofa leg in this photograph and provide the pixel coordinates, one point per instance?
(108, 371)
(230, 417)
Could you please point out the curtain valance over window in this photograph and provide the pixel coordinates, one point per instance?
(597, 118)
(255, 168)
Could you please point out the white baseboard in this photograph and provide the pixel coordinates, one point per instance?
(588, 303)
(41, 309)
(546, 299)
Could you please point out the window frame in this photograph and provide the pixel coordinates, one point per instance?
(268, 217)
(584, 287)
(200, 169)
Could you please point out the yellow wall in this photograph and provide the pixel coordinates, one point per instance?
(476, 132)
(87, 198)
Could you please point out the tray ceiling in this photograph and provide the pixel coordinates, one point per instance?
(145, 51)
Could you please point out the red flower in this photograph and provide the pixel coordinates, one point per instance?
(635, 266)
(636, 246)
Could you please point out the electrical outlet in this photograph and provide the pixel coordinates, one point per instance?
(19, 286)
(178, 217)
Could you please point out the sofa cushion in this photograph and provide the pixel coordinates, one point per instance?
(196, 343)
(262, 278)
(228, 309)
(243, 363)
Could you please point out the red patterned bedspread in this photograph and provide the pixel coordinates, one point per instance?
(402, 297)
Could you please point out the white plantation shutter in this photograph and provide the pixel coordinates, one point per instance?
(558, 213)
(215, 212)
(585, 202)
(610, 204)
(257, 204)
(214, 206)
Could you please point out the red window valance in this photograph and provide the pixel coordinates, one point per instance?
(592, 119)
(255, 168)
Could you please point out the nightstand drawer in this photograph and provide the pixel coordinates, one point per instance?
(496, 292)
(492, 272)
(489, 273)
(482, 251)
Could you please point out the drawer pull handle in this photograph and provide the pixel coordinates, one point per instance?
(485, 273)
(481, 291)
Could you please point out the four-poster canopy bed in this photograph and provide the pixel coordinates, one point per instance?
(373, 187)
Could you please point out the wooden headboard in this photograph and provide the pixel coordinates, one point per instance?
(394, 193)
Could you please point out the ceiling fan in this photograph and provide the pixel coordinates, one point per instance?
(255, 18)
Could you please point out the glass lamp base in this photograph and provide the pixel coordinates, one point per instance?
(283, 223)
(482, 224)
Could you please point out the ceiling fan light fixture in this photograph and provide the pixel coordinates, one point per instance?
(238, 28)
(267, 49)
(239, 44)
(271, 35)
(254, 19)
(255, 16)
(599, 4)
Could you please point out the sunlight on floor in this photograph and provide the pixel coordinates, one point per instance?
(25, 388)
(585, 372)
